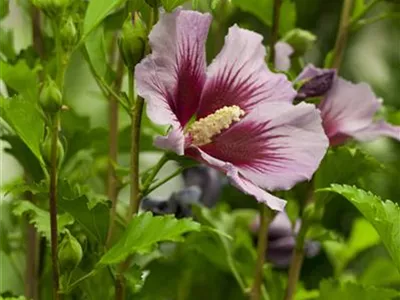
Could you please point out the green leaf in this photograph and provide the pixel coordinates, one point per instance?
(23, 117)
(41, 218)
(262, 9)
(4, 8)
(343, 165)
(144, 232)
(333, 290)
(383, 215)
(96, 52)
(96, 12)
(21, 79)
(358, 8)
(380, 272)
(362, 237)
(7, 43)
(93, 217)
(170, 5)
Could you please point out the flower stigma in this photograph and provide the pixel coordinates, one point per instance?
(204, 129)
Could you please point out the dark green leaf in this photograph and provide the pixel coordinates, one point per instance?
(333, 290)
(24, 118)
(41, 218)
(262, 9)
(170, 5)
(7, 43)
(4, 8)
(288, 17)
(383, 215)
(144, 232)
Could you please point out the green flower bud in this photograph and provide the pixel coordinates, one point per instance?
(301, 40)
(50, 98)
(153, 3)
(69, 253)
(45, 149)
(132, 42)
(52, 8)
(69, 34)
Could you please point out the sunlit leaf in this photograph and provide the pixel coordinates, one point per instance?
(144, 232)
(383, 215)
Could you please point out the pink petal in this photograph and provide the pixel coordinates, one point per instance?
(240, 76)
(282, 56)
(237, 180)
(311, 71)
(174, 141)
(275, 146)
(172, 77)
(348, 108)
(376, 130)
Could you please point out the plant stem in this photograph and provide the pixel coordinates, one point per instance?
(296, 262)
(265, 218)
(275, 29)
(37, 36)
(112, 181)
(343, 32)
(360, 24)
(365, 11)
(164, 180)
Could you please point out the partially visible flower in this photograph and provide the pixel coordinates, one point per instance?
(283, 51)
(316, 86)
(348, 110)
(236, 115)
(282, 240)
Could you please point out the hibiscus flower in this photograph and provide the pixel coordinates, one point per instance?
(234, 115)
(347, 109)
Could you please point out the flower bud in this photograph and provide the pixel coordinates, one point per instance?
(301, 40)
(317, 85)
(69, 34)
(45, 149)
(50, 98)
(132, 43)
(69, 253)
(52, 8)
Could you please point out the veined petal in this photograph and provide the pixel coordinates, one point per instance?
(282, 56)
(348, 108)
(275, 146)
(239, 76)
(237, 180)
(174, 141)
(172, 77)
(376, 130)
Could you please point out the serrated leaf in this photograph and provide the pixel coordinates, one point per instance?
(92, 217)
(41, 218)
(170, 5)
(383, 215)
(96, 12)
(333, 290)
(144, 232)
(24, 118)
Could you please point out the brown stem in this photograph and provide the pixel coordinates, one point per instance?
(112, 181)
(343, 32)
(265, 218)
(37, 37)
(275, 29)
(31, 271)
(53, 205)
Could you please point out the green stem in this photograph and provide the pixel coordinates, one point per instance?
(84, 277)
(162, 181)
(343, 32)
(357, 26)
(266, 216)
(275, 29)
(364, 12)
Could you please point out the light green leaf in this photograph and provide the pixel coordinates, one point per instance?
(24, 118)
(382, 272)
(41, 218)
(92, 217)
(333, 290)
(144, 232)
(96, 12)
(170, 5)
(383, 215)
(362, 237)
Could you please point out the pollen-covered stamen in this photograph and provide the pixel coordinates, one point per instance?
(204, 129)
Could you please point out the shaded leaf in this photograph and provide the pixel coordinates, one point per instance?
(383, 215)
(333, 290)
(144, 232)
(170, 5)
(41, 218)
